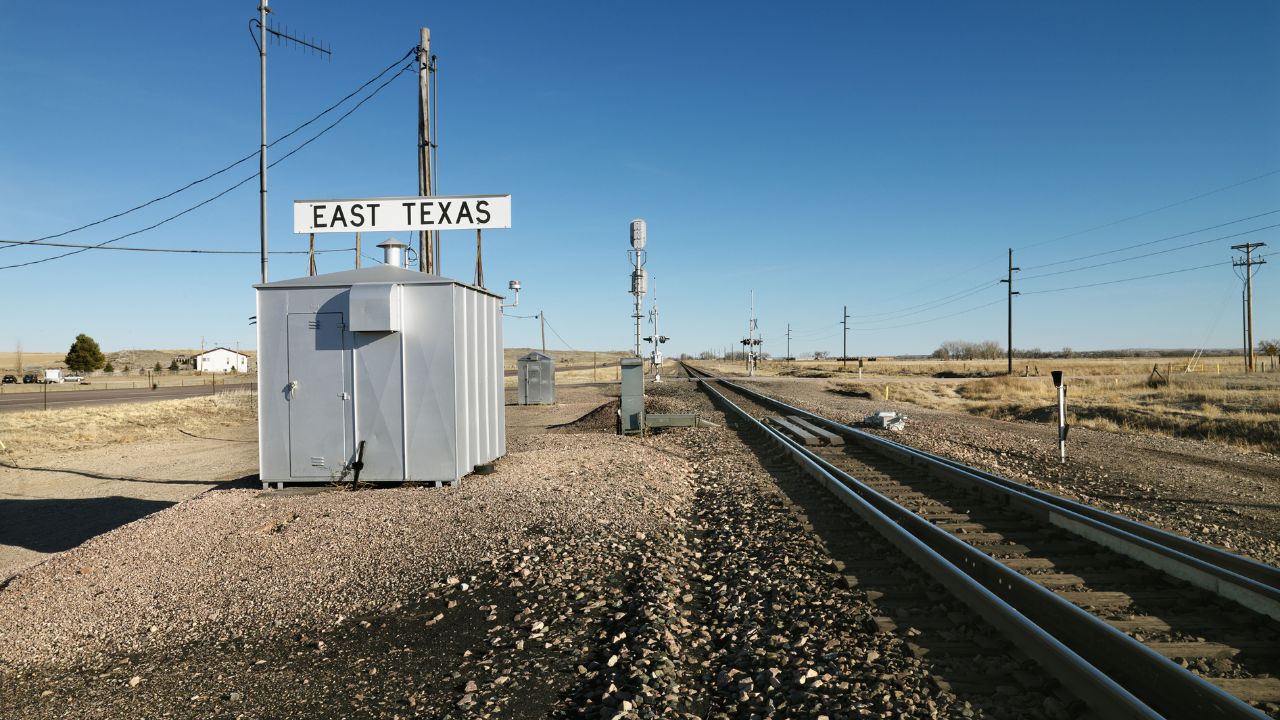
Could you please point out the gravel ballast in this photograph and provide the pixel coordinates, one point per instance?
(591, 576)
(1213, 493)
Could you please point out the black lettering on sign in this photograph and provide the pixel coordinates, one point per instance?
(482, 211)
(373, 214)
(464, 210)
(317, 216)
(424, 214)
(338, 217)
(408, 212)
(444, 213)
(357, 215)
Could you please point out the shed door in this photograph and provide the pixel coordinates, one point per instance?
(534, 392)
(318, 406)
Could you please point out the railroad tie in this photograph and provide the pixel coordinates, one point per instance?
(799, 433)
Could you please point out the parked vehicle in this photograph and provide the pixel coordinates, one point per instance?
(53, 376)
(29, 378)
(73, 378)
(10, 380)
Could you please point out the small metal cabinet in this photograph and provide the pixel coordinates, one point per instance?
(631, 412)
(536, 379)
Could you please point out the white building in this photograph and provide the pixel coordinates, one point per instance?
(221, 360)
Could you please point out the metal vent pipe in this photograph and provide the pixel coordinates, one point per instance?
(393, 252)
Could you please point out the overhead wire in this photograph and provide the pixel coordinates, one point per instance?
(553, 332)
(1124, 280)
(1153, 211)
(175, 216)
(1147, 255)
(225, 168)
(196, 251)
(1152, 242)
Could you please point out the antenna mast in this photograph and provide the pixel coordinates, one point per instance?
(265, 31)
(639, 278)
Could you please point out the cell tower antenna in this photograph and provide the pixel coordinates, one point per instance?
(639, 277)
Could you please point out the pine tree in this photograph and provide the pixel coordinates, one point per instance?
(85, 355)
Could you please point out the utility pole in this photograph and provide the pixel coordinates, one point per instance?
(844, 352)
(1247, 263)
(311, 256)
(262, 148)
(542, 318)
(788, 343)
(261, 39)
(1009, 281)
(426, 254)
(357, 251)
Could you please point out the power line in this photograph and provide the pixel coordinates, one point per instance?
(929, 320)
(224, 169)
(175, 216)
(1154, 211)
(196, 251)
(958, 295)
(1153, 242)
(1151, 254)
(1124, 280)
(1132, 217)
(553, 332)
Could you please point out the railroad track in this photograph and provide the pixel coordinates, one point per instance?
(1135, 621)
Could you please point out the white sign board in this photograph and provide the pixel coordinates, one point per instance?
(392, 214)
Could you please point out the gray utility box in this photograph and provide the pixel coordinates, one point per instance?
(536, 379)
(631, 407)
(410, 364)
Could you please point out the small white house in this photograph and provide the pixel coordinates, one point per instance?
(221, 360)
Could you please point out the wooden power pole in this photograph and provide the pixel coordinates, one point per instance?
(1247, 263)
(1009, 281)
(844, 352)
(426, 253)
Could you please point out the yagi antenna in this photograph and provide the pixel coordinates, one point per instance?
(282, 35)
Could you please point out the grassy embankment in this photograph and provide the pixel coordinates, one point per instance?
(1215, 401)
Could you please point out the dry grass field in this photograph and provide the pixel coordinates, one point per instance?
(23, 434)
(1215, 401)
(565, 357)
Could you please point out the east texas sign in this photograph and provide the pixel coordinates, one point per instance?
(391, 214)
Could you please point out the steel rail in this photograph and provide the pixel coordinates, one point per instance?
(1242, 580)
(1094, 649)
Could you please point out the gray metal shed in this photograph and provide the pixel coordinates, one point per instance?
(407, 363)
(536, 379)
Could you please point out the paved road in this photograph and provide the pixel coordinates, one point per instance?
(69, 398)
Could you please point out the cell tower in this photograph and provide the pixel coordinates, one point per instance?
(639, 278)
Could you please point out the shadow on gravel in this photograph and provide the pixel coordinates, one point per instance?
(54, 525)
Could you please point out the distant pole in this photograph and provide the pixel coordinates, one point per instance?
(262, 149)
(426, 256)
(1009, 281)
(542, 318)
(479, 260)
(844, 352)
(357, 251)
(1248, 264)
(788, 343)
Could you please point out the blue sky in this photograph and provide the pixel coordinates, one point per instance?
(879, 155)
